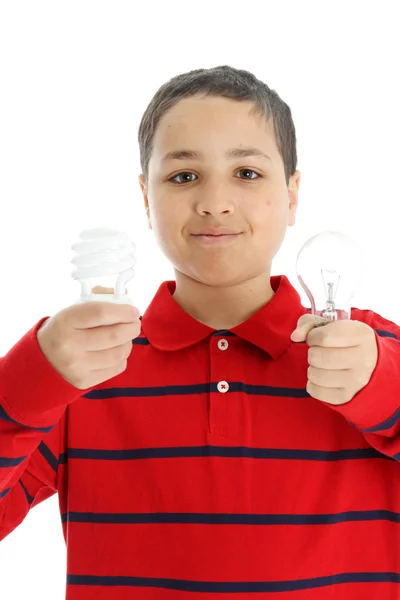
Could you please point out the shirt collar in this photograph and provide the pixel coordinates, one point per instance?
(168, 327)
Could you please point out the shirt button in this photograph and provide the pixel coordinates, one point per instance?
(223, 344)
(223, 387)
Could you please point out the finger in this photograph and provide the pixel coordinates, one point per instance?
(330, 379)
(108, 358)
(337, 334)
(304, 325)
(97, 314)
(101, 375)
(102, 338)
(333, 358)
(335, 396)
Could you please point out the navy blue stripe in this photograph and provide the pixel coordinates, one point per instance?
(232, 587)
(231, 519)
(386, 424)
(224, 332)
(199, 388)
(11, 462)
(384, 333)
(5, 492)
(220, 451)
(27, 494)
(4, 417)
(141, 342)
(48, 455)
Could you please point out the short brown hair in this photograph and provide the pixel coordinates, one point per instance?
(227, 82)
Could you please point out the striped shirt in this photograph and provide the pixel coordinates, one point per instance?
(205, 470)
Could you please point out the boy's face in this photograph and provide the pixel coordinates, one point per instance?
(217, 187)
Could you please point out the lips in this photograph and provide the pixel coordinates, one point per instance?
(216, 237)
(216, 232)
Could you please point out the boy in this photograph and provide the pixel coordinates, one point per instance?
(223, 458)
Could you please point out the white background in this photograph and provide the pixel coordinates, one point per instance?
(75, 78)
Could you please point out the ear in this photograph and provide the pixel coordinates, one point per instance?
(143, 187)
(293, 193)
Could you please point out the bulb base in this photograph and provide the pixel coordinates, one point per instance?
(104, 298)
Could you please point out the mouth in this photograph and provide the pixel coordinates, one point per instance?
(215, 239)
(214, 234)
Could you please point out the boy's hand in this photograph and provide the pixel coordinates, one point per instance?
(90, 343)
(342, 357)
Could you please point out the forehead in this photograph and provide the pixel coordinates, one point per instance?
(211, 124)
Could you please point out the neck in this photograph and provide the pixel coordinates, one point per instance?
(222, 307)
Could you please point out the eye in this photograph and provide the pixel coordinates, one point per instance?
(188, 176)
(185, 177)
(249, 174)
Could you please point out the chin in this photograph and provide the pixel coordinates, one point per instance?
(218, 279)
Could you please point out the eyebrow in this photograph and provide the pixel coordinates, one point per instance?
(231, 153)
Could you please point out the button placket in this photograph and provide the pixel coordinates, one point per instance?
(218, 418)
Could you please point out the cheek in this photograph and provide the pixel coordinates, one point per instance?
(270, 221)
(268, 212)
(166, 223)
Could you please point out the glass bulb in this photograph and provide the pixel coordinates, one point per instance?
(329, 268)
(104, 252)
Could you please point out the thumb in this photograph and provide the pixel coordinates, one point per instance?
(304, 325)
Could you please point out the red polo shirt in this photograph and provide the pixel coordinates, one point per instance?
(205, 470)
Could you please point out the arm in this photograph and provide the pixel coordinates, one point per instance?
(375, 409)
(33, 398)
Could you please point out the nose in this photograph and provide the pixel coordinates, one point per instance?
(214, 201)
